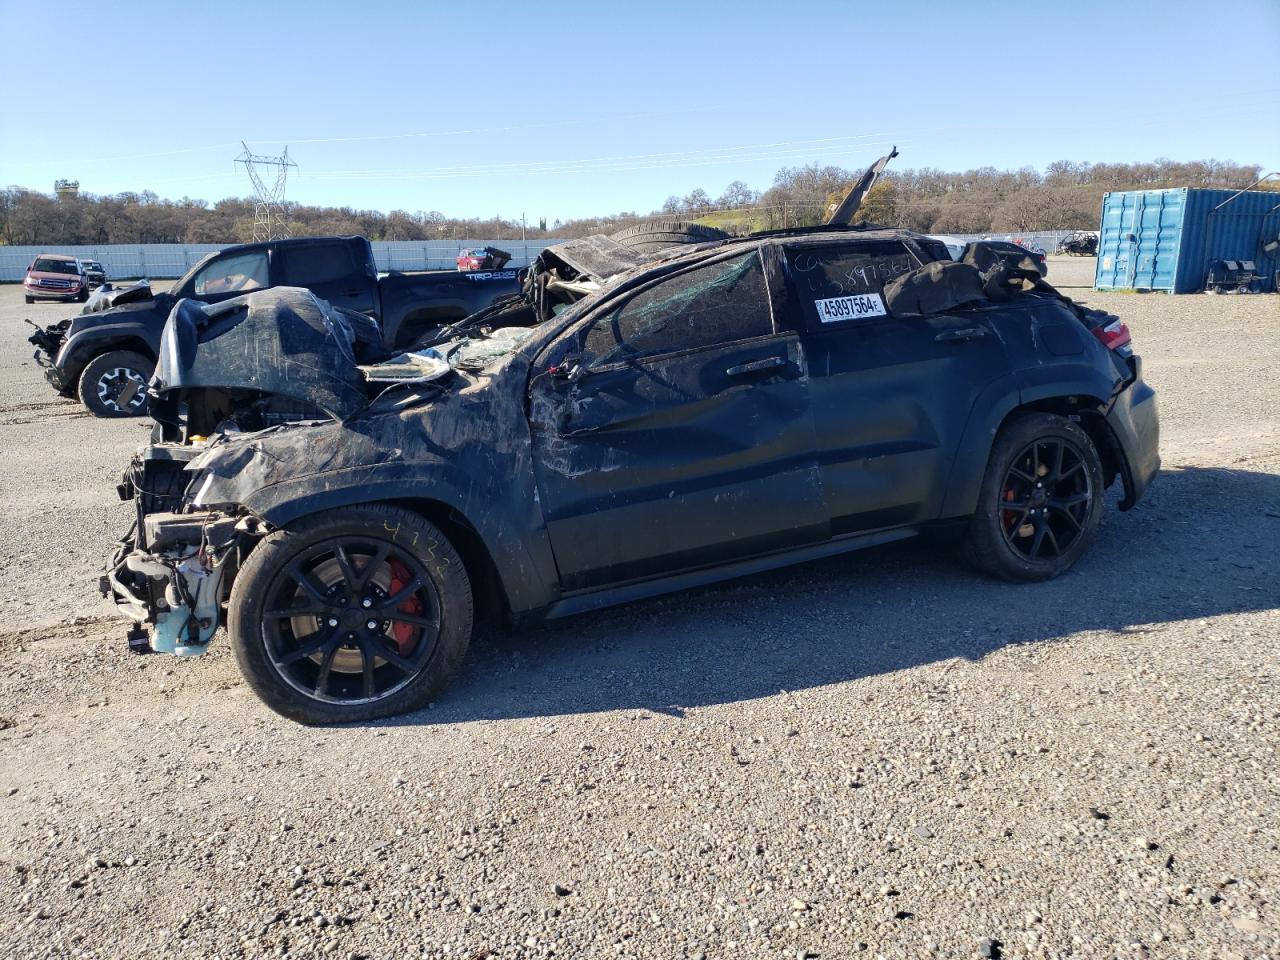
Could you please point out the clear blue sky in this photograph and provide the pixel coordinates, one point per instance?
(566, 109)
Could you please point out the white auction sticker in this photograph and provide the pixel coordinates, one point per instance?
(850, 308)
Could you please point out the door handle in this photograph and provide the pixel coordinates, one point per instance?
(755, 366)
(968, 333)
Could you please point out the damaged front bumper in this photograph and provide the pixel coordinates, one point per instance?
(48, 341)
(173, 589)
(170, 574)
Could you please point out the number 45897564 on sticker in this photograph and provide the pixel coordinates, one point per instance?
(850, 308)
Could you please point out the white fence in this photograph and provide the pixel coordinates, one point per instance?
(1046, 240)
(165, 260)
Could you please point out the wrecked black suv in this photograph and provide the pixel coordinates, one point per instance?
(627, 427)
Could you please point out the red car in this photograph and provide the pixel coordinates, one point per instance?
(482, 258)
(53, 276)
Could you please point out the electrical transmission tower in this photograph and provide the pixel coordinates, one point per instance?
(270, 219)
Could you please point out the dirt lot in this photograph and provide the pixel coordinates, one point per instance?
(882, 755)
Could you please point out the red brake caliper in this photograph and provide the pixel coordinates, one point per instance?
(404, 632)
(1007, 516)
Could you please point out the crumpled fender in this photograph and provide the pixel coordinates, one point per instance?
(108, 296)
(283, 341)
(438, 453)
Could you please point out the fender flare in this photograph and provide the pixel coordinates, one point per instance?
(522, 557)
(82, 346)
(993, 406)
(995, 402)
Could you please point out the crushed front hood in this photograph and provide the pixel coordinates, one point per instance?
(107, 296)
(283, 341)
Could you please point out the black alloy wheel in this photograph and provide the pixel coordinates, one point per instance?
(1040, 500)
(351, 614)
(351, 620)
(1046, 499)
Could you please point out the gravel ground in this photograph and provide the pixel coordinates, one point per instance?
(882, 755)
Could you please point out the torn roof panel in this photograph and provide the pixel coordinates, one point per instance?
(598, 256)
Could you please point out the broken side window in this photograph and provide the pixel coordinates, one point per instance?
(717, 303)
(845, 283)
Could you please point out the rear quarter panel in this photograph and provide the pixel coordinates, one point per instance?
(1051, 356)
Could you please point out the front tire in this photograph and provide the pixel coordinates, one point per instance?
(351, 615)
(29, 299)
(1040, 501)
(115, 384)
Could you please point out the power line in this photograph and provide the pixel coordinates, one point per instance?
(620, 165)
(511, 128)
(648, 156)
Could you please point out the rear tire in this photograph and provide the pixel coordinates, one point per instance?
(660, 234)
(115, 384)
(376, 668)
(1040, 501)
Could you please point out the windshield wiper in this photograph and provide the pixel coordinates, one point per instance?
(466, 323)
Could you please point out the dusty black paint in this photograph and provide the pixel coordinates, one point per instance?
(590, 483)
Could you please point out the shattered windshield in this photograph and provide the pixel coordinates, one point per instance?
(716, 303)
(475, 353)
(431, 363)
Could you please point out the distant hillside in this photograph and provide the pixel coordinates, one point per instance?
(1066, 195)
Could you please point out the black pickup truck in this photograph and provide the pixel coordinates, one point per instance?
(107, 353)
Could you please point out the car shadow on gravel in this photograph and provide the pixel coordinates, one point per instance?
(1204, 542)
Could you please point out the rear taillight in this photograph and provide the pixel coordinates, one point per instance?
(1114, 335)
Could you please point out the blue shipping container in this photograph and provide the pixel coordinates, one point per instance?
(1166, 239)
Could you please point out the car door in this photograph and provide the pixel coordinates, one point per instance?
(333, 270)
(683, 437)
(891, 394)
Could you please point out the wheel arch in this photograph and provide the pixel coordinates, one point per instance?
(511, 571)
(1003, 401)
(488, 590)
(81, 355)
(1088, 412)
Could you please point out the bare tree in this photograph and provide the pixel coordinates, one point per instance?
(696, 201)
